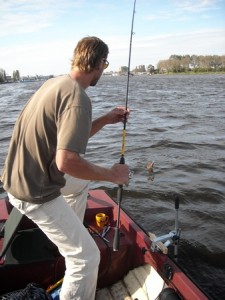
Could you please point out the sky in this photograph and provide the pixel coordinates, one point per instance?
(38, 37)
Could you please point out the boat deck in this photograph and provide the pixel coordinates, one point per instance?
(141, 283)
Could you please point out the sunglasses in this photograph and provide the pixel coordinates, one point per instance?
(106, 63)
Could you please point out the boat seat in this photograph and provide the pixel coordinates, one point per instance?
(24, 246)
(9, 229)
(29, 246)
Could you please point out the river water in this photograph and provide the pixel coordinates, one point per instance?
(177, 122)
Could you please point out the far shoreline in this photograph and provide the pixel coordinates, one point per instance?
(137, 74)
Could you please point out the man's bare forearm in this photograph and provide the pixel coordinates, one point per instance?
(73, 164)
(98, 124)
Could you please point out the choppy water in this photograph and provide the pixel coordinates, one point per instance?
(177, 122)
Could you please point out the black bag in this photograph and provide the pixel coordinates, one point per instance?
(31, 292)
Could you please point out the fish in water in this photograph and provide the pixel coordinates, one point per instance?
(150, 168)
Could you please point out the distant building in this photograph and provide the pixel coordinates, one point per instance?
(8, 78)
(35, 78)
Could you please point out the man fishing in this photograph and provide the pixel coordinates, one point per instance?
(45, 173)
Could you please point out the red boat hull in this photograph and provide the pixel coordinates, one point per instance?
(30, 265)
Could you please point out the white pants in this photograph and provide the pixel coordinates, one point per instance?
(64, 227)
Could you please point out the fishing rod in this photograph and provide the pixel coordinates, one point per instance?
(116, 240)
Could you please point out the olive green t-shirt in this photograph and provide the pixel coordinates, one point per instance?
(58, 116)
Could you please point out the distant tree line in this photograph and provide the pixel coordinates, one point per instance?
(194, 63)
(17, 78)
(182, 63)
(141, 69)
(2, 75)
(5, 78)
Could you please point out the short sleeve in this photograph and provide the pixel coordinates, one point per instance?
(74, 127)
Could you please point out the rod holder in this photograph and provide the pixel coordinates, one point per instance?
(162, 242)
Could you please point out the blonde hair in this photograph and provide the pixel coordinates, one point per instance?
(88, 54)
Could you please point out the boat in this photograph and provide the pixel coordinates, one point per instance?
(140, 268)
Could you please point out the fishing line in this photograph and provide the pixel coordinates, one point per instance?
(122, 159)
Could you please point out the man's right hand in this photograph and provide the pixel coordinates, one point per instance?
(120, 174)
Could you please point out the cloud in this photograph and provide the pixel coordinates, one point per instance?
(195, 6)
(184, 10)
(27, 16)
(21, 17)
(52, 28)
(152, 49)
(54, 57)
